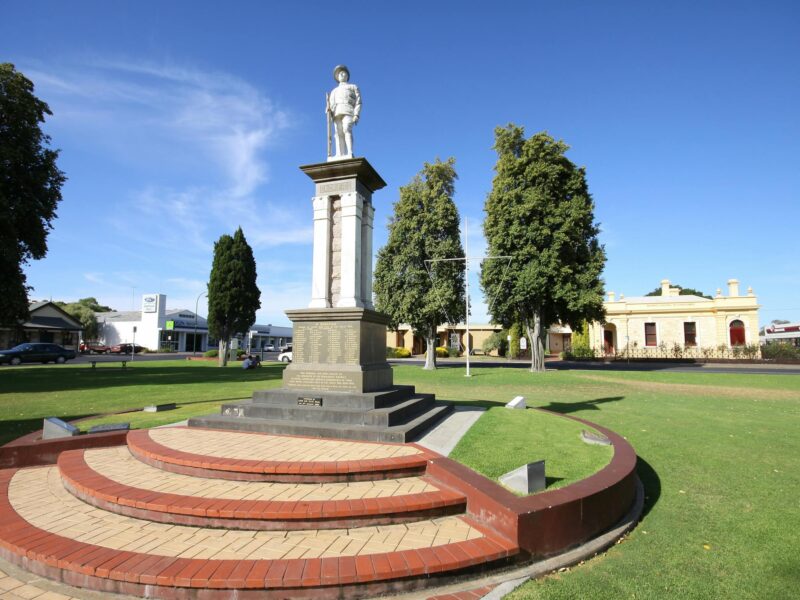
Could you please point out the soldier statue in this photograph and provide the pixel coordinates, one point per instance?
(344, 107)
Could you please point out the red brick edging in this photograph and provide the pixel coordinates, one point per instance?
(96, 489)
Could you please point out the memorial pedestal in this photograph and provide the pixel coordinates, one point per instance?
(338, 350)
(339, 384)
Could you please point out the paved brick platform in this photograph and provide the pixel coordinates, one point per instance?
(114, 480)
(267, 457)
(107, 520)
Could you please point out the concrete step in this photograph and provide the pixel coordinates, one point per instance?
(395, 414)
(365, 401)
(400, 433)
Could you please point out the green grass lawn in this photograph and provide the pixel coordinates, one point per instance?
(27, 394)
(720, 461)
(504, 439)
(719, 457)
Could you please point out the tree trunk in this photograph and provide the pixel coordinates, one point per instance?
(430, 353)
(223, 352)
(536, 334)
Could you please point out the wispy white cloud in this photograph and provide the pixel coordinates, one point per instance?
(177, 124)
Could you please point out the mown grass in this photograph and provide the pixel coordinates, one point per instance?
(504, 439)
(28, 394)
(719, 456)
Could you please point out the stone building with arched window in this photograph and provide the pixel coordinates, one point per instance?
(680, 326)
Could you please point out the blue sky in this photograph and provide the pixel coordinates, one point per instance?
(179, 121)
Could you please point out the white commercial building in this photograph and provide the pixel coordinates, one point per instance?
(158, 328)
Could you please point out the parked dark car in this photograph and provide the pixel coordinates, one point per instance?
(94, 348)
(41, 353)
(126, 348)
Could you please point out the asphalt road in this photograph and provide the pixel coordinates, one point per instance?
(148, 357)
(556, 365)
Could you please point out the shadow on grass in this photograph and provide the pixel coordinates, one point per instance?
(473, 404)
(51, 379)
(651, 482)
(570, 407)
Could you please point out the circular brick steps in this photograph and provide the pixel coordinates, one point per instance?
(112, 479)
(326, 519)
(284, 458)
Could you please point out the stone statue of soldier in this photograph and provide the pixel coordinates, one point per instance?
(344, 107)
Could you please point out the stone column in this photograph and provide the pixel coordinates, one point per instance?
(352, 208)
(367, 219)
(321, 266)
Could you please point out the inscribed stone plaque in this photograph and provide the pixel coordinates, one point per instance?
(336, 187)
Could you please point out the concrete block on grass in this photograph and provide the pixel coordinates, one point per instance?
(517, 403)
(160, 407)
(53, 428)
(526, 479)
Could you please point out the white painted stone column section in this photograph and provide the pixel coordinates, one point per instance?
(367, 219)
(321, 265)
(352, 205)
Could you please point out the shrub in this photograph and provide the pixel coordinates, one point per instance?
(677, 350)
(214, 353)
(442, 352)
(167, 349)
(780, 351)
(515, 332)
(582, 351)
(239, 353)
(397, 352)
(497, 341)
(750, 350)
(453, 352)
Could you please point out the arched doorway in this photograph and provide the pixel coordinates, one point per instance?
(736, 329)
(609, 339)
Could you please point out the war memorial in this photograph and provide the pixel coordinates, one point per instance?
(315, 489)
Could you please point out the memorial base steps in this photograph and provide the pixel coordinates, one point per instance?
(399, 412)
(364, 401)
(400, 433)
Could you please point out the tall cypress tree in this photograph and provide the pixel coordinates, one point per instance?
(425, 226)
(30, 189)
(540, 212)
(233, 296)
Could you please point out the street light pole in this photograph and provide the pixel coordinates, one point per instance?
(196, 304)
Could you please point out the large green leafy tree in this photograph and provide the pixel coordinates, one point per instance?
(425, 226)
(233, 296)
(30, 189)
(84, 311)
(540, 213)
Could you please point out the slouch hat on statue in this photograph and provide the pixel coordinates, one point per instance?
(340, 68)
